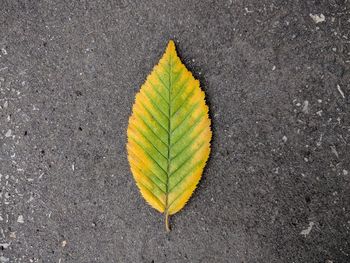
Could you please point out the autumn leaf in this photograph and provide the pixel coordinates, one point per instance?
(168, 135)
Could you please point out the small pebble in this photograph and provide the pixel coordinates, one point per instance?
(3, 50)
(318, 18)
(8, 133)
(20, 219)
(3, 259)
(306, 109)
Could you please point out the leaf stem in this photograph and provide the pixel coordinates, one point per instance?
(167, 228)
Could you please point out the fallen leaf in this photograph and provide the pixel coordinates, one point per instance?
(168, 135)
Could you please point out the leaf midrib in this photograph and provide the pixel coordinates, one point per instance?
(169, 137)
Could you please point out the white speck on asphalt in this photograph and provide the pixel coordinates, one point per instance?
(306, 109)
(340, 91)
(318, 18)
(8, 133)
(307, 231)
(334, 151)
(64, 243)
(4, 51)
(5, 245)
(319, 142)
(20, 219)
(3, 259)
(247, 10)
(31, 198)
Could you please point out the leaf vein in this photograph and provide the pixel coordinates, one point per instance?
(196, 105)
(155, 105)
(141, 160)
(194, 124)
(181, 89)
(157, 91)
(150, 178)
(185, 176)
(189, 144)
(149, 155)
(145, 122)
(189, 95)
(154, 118)
(160, 201)
(165, 86)
(150, 142)
(187, 159)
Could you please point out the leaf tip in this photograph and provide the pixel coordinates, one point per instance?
(171, 45)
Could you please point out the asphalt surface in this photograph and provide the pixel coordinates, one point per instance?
(276, 75)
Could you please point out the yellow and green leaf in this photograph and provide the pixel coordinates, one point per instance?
(168, 135)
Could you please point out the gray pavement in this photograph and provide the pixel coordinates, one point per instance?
(276, 75)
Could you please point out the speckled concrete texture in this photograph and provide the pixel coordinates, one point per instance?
(277, 79)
